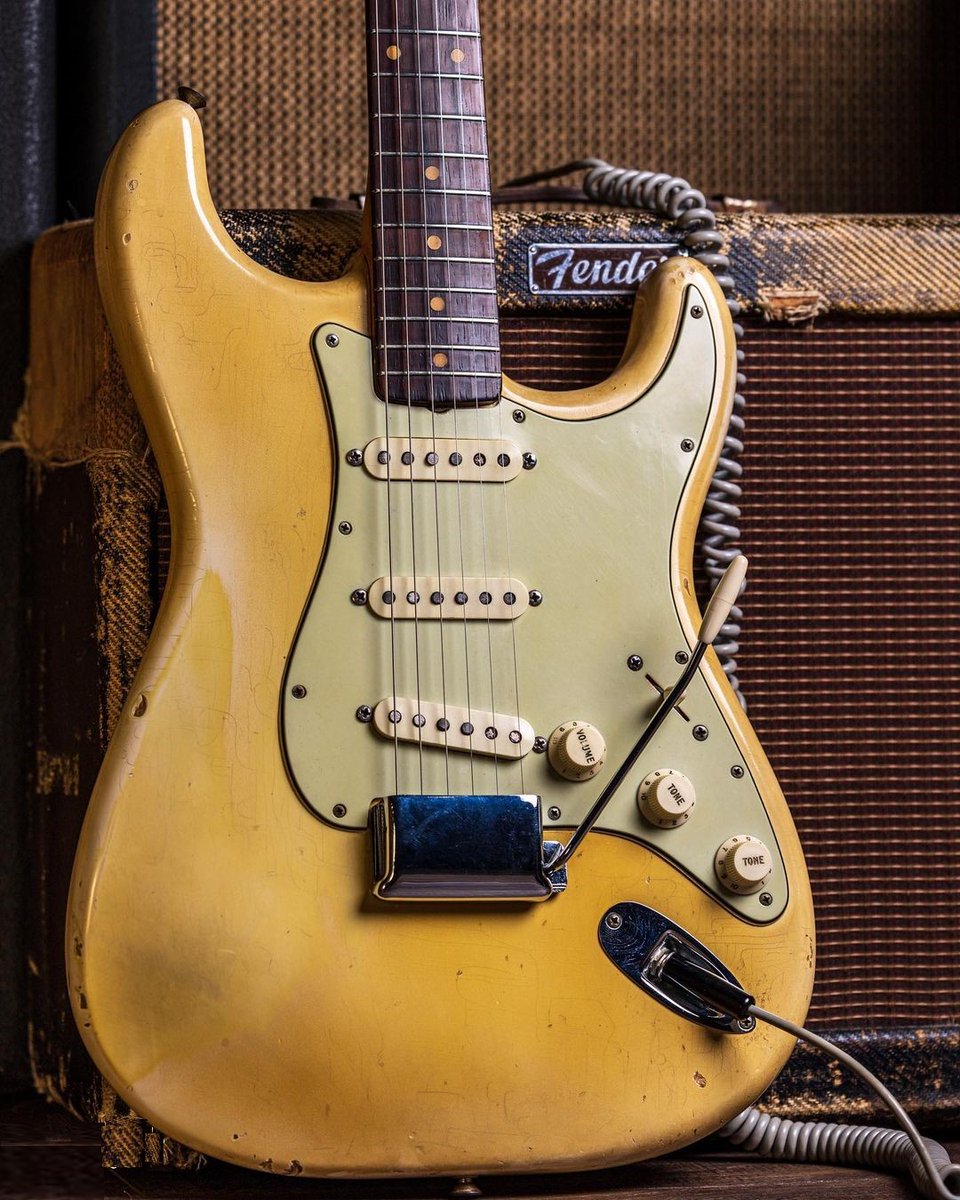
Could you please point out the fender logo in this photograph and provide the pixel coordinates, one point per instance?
(593, 268)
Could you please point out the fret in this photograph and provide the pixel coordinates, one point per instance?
(442, 287)
(432, 225)
(456, 33)
(414, 117)
(429, 189)
(434, 346)
(420, 153)
(428, 75)
(466, 373)
(432, 258)
(462, 320)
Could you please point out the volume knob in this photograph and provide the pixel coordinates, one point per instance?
(743, 864)
(666, 798)
(576, 750)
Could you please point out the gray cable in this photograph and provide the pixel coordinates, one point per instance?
(672, 197)
(927, 1162)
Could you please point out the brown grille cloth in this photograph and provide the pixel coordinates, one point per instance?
(850, 657)
(822, 104)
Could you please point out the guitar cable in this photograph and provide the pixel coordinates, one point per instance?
(905, 1150)
(672, 198)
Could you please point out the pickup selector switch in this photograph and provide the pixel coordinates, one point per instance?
(743, 864)
(666, 798)
(576, 750)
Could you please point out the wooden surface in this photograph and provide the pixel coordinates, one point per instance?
(45, 1153)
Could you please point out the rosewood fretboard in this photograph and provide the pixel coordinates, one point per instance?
(435, 304)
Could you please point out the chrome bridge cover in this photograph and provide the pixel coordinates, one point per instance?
(461, 848)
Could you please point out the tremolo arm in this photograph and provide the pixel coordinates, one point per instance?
(722, 600)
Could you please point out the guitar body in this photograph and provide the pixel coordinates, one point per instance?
(231, 971)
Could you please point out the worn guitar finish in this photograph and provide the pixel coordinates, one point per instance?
(231, 971)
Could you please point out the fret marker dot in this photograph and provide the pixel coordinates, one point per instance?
(434, 242)
(457, 55)
(393, 53)
(432, 172)
(440, 360)
(437, 304)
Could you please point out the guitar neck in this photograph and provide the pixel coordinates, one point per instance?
(436, 338)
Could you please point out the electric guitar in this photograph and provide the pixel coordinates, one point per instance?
(381, 798)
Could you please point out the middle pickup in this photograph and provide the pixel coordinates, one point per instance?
(449, 597)
(454, 460)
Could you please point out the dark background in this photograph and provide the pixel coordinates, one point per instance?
(71, 76)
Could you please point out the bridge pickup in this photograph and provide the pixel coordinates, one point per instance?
(450, 728)
(456, 460)
(448, 598)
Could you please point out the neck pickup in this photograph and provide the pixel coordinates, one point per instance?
(436, 341)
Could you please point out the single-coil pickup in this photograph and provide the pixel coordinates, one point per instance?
(404, 597)
(458, 460)
(451, 728)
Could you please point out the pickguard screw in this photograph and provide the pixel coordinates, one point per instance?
(635, 662)
(519, 416)
(737, 772)
(365, 713)
(358, 596)
(681, 656)
(746, 1024)
(345, 527)
(613, 920)
(332, 341)
(535, 598)
(354, 458)
(766, 899)
(339, 810)
(553, 813)
(298, 691)
(701, 732)
(696, 312)
(687, 445)
(539, 745)
(529, 460)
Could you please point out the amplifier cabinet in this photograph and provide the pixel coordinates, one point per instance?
(850, 654)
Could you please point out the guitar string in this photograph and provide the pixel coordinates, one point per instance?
(379, 238)
(456, 438)
(481, 460)
(428, 324)
(402, 193)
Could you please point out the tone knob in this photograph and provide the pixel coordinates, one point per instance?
(743, 864)
(576, 750)
(666, 798)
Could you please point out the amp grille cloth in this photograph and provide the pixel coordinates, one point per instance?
(850, 659)
(824, 105)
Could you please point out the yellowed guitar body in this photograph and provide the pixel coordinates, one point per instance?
(231, 972)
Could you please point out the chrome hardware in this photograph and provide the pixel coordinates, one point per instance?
(641, 942)
(461, 848)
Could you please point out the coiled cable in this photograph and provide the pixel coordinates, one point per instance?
(672, 198)
(926, 1161)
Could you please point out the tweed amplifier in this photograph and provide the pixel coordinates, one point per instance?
(850, 655)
